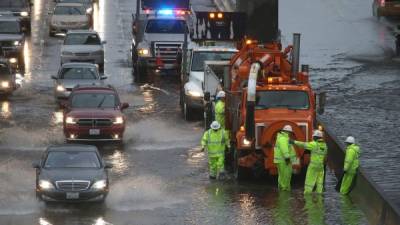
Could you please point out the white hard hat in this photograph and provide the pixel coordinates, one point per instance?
(215, 125)
(288, 128)
(317, 133)
(221, 94)
(350, 140)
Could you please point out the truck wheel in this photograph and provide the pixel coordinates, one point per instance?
(187, 111)
(239, 172)
(140, 74)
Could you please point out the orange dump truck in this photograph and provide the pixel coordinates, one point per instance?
(264, 92)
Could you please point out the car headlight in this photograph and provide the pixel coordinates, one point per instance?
(70, 120)
(246, 142)
(5, 84)
(99, 185)
(67, 53)
(17, 43)
(89, 10)
(60, 88)
(119, 120)
(24, 14)
(13, 60)
(144, 52)
(194, 93)
(45, 185)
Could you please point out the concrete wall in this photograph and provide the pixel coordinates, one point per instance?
(372, 200)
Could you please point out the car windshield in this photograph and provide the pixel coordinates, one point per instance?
(13, 3)
(9, 27)
(79, 74)
(282, 99)
(4, 71)
(199, 58)
(166, 26)
(72, 159)
(69, 10)
(93, 100)
(82, 39)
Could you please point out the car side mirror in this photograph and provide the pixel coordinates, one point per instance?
(124, 106)
(108, 166)
(54, 77)
(103, 77)
(36, 165)
(64, 105)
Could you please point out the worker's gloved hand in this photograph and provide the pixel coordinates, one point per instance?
(291, 141)
(287, 160)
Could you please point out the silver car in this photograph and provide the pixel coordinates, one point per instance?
(73, 74)
(83, 46)
(68, 16)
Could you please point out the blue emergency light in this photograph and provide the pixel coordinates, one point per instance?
(165, 12)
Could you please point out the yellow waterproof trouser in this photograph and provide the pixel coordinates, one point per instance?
(284, 176)
(314, 177)
(216, 164)
(347, 182)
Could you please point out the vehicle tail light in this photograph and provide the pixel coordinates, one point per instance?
(382, 3)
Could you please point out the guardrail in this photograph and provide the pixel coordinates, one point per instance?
(225, 5)
(378, 208)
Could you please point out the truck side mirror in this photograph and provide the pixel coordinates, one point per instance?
(207, 96)
(321, 103)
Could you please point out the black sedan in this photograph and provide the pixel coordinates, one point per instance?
(71, 173)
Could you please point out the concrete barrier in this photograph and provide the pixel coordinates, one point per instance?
(378, 208)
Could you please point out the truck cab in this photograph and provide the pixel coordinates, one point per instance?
(191, 97)
(158, 38)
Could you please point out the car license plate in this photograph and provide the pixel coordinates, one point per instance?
(72, 195)
(94, 132)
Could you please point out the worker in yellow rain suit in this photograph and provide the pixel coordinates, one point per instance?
(220, 109)
(284, 157)
(315, 171)
(215, 140)
(351, 164)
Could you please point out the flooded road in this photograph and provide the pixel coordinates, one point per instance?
(159, 175)
(353, 59)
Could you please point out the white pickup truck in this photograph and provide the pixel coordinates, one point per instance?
(191, 97)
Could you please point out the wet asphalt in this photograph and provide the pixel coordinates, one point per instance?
(159, 176)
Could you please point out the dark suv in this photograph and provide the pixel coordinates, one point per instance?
(94, 113)
(20, 9)
(7, 78)
(12, 40)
